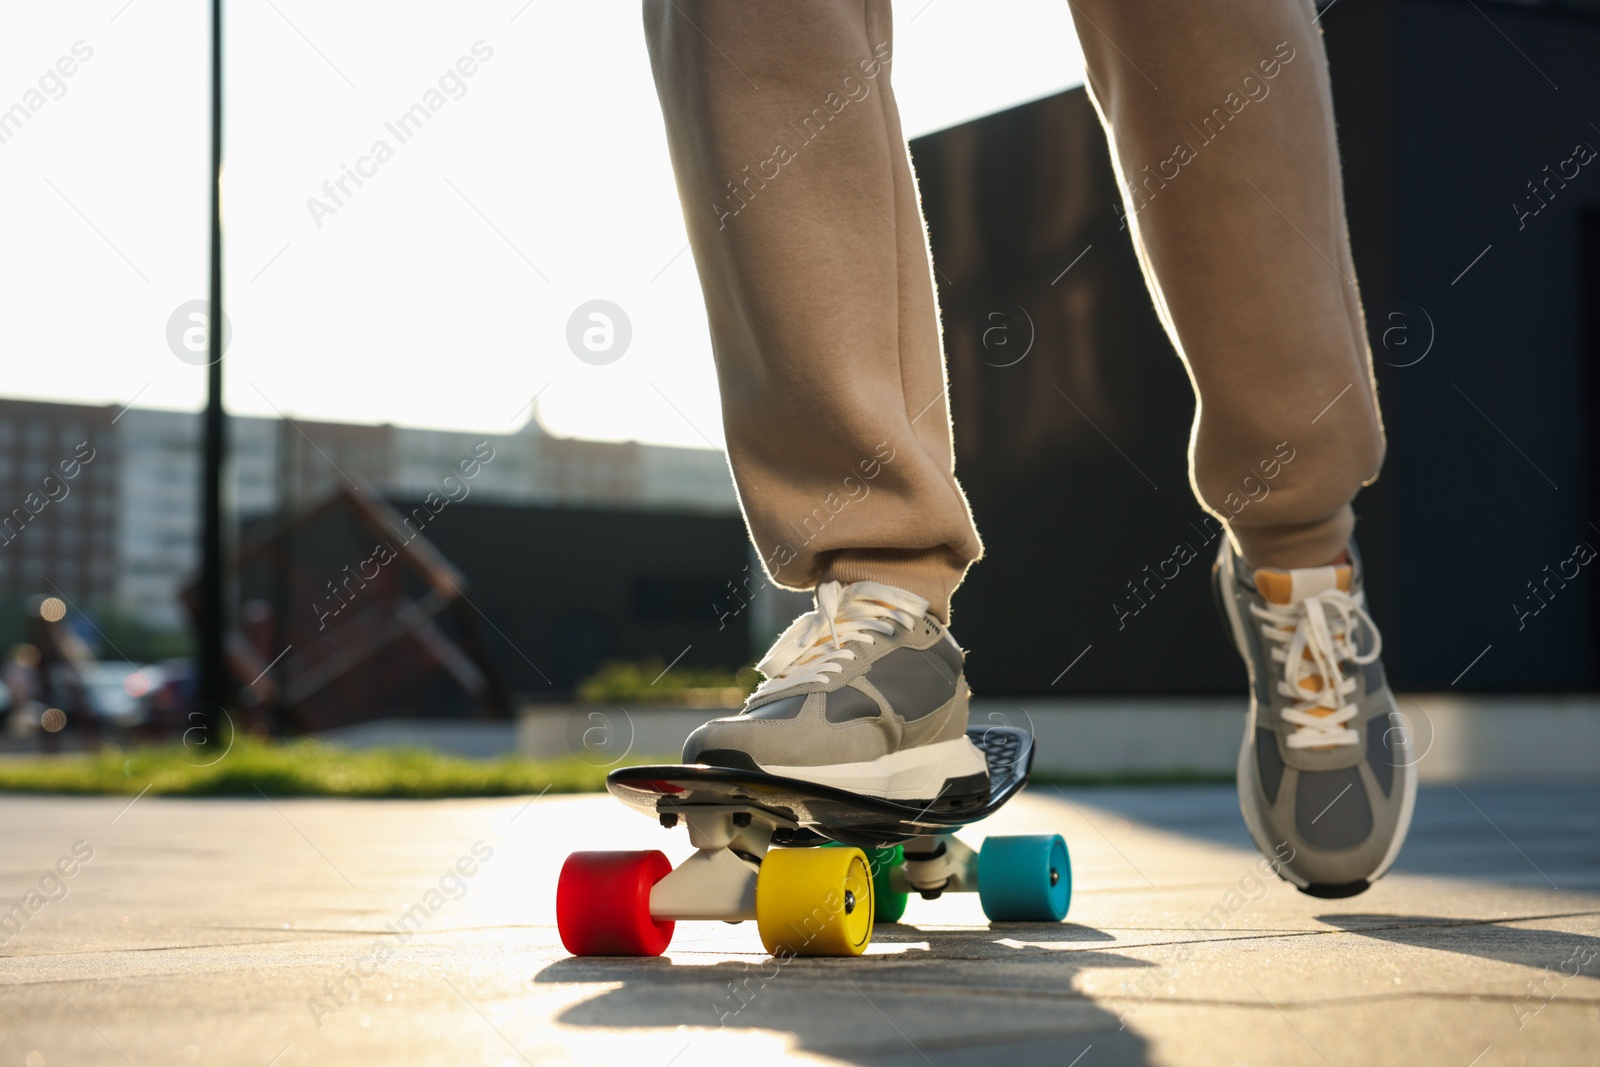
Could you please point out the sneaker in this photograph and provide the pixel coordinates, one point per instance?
(1325, 778)
(865, 693)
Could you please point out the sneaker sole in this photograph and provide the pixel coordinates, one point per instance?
(922, 773)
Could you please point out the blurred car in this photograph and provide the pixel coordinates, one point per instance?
(116, 690)
(170, 699)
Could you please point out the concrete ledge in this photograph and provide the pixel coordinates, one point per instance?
(1109, 736)
(1538, 738)
(607, 735)
(1458, 739)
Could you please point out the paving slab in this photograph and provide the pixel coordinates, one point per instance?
(294, 932)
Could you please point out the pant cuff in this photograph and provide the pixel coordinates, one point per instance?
(1312, 544)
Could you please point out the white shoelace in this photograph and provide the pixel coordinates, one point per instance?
(1308, 647)
(819, 643)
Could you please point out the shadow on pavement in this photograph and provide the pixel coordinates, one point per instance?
(1063, 933)
(948, 997)
(1566, 955)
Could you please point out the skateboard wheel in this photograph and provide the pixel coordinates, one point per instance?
(814, 902)
(888, 905)
(1025, 878)
(603, 904)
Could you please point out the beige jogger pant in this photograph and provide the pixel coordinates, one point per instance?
(807, 232)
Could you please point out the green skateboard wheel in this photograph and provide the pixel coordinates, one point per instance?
(888, 905)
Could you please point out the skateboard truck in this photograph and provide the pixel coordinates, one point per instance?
(938, 865)
(719, 880)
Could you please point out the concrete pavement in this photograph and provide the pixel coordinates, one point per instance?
(257, 932)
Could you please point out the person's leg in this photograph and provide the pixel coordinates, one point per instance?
(1221, 122)
(1222, 131)
(807, 232)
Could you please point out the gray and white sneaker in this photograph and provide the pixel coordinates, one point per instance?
(1326, 777)
(864, 693)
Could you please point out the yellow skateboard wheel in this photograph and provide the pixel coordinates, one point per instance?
(814, 902)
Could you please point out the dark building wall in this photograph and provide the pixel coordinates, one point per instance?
(1492, 468)
(1071, 417)
(548, 594)
(565, 589)
(1072, 411)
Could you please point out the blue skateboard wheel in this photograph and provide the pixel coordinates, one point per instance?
(1025, 878)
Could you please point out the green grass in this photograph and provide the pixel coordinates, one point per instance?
(314, 769)
(296, 768)
(649, 681)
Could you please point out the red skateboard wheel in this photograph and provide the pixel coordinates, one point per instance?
(603, 904)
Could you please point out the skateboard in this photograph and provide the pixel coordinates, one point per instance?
(813, 865)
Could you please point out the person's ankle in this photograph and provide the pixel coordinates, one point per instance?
(1295, 546)
(1341, 560)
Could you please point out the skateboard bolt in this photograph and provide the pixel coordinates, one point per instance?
(669, 819)
(741, 818)
(1055, 876)
(849, 902)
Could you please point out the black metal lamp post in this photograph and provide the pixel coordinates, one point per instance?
(214, 689)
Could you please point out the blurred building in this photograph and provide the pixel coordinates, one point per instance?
(59, 492)
(125, 529)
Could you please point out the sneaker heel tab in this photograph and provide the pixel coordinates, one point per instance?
(1274, 586)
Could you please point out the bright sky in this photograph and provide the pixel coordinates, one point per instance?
(439, 294)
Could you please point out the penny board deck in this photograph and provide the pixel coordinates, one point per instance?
(823, 812)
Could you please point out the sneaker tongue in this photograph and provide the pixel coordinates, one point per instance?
(1285, 587)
